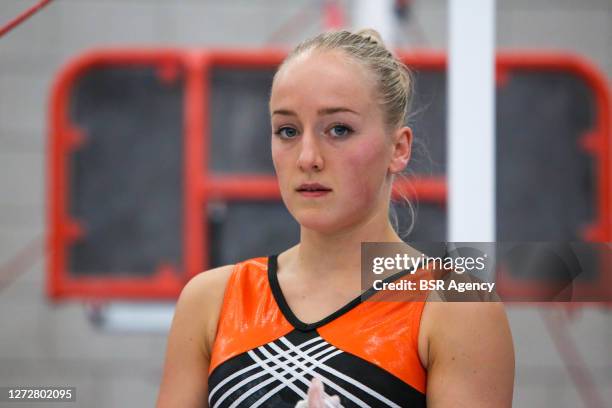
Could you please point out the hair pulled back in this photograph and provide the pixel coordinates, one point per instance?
(393, 79)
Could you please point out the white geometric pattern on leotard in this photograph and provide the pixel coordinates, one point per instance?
(295, 362)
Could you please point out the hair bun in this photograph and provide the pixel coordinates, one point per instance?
(372, 35)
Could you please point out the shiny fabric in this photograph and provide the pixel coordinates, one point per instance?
(366, 352)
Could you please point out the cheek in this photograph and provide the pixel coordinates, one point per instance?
(283, 163)
(366, 169)
(279, 158)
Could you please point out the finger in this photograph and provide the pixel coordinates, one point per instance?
(315, 394)
(332, 402)
(335, 400)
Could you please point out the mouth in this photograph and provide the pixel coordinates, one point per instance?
(313, 190)
(312, 194)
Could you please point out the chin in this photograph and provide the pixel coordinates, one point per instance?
(321, 221)
(317, 220)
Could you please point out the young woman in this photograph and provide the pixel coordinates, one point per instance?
(256, 333)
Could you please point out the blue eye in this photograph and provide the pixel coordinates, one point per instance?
(286, 132)
(340, 131)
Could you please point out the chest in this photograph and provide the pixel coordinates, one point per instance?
(313, 302)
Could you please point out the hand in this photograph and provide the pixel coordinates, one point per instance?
(317, 398)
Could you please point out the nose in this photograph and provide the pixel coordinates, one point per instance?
(310, 157)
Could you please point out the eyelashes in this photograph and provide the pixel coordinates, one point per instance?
(280, 132)
(346, 130)
(337, 131)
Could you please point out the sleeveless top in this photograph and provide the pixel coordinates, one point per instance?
(264, 356)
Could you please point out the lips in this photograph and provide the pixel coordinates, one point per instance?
(312, 187)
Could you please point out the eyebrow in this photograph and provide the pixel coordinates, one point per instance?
(323, 111)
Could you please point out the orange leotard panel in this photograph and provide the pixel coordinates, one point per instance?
(383, 333)
(249, 316)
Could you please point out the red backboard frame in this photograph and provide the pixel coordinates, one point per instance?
(201, 185)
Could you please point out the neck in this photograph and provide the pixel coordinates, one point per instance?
(318, 253)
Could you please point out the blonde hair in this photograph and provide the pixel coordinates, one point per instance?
(392, 78)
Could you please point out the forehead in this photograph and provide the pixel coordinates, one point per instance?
(323, 78)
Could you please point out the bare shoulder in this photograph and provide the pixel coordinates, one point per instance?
(203, 296)
(209, 282)
(184, 378)
(469, 353)
(463, 320)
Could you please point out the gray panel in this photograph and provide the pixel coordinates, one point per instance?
(544, 184)
(126, 181)
(240, 121)
(243, 230)
(427, 118)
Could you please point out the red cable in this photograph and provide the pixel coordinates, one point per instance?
(20, 18)
(21, 262)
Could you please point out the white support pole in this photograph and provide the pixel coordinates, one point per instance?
(376, 14)
(471, 121)
(132, 317)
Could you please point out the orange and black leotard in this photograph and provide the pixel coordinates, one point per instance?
(264, 356)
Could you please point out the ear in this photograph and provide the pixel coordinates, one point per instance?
(401, 150)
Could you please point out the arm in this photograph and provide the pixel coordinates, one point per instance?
(470, 355)
(185, 377)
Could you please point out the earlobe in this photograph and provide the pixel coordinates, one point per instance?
(398, 166)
